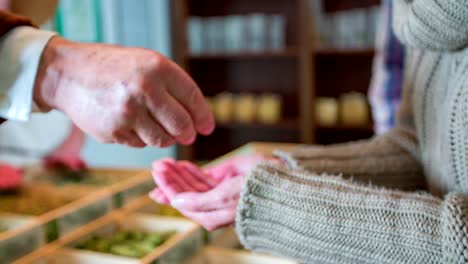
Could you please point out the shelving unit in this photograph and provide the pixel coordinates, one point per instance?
(287, 53)
(339, 71)
(299, 73)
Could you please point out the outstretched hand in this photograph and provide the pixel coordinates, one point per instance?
(131, 96)
(207, 196)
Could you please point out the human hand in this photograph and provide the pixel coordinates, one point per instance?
(207, 196)
(10, 177)
(215, 208)
(170, 175)
(130, 96)
(68, 154)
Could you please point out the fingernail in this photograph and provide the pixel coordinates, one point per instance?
(189, 140)
(207, 128)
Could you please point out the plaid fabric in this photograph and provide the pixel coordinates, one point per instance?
(387, 79)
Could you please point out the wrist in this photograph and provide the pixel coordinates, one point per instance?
(49, 74)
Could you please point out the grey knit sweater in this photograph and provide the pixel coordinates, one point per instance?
(361, 202)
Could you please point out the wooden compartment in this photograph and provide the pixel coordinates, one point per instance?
(126, 191)
(137, 202)
(34, 200)
(62, 210)
(21, 240)
(147, 206)
(82, 182)
(187, 240)
(95, 205)
(211, 255)
(52, 213)
(56, 211)
(59, 222)
(9, 222)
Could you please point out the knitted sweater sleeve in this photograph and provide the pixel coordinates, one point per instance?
(380, 161)
(432, 24)
(327, 219)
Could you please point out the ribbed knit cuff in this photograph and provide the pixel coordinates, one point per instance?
(326, 219)
(455, 228)
(379, 161)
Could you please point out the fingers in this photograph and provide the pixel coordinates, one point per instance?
(158, 196)
(192, 180)
(193, 201)
(188, 94)
(169, 178)
(213, 219)
(197, 172)
(129, 138)
(224, 195)
(172, 117)
(179, 177)
(151, 133)
(164, 178)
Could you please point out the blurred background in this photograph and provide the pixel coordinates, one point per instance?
(283, 70)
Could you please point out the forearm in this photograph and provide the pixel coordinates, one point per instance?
(326, 219)
(379, 161)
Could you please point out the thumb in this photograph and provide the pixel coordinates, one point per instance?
(193, 201)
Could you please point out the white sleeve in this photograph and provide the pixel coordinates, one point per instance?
(20, 54)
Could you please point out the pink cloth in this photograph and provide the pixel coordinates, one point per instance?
(10, 177)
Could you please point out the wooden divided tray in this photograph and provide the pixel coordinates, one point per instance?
(145, 205)
(212, 255)
(185, 242)
(81, 182)
(79, 210)
(20, 235)
(58, 209)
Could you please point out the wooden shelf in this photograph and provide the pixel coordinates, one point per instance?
(341, 133)
(230, 135)
(287, 53)
(364, 128)
(283, 125)
(340, 5)
(298, 73)
(344, 52)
